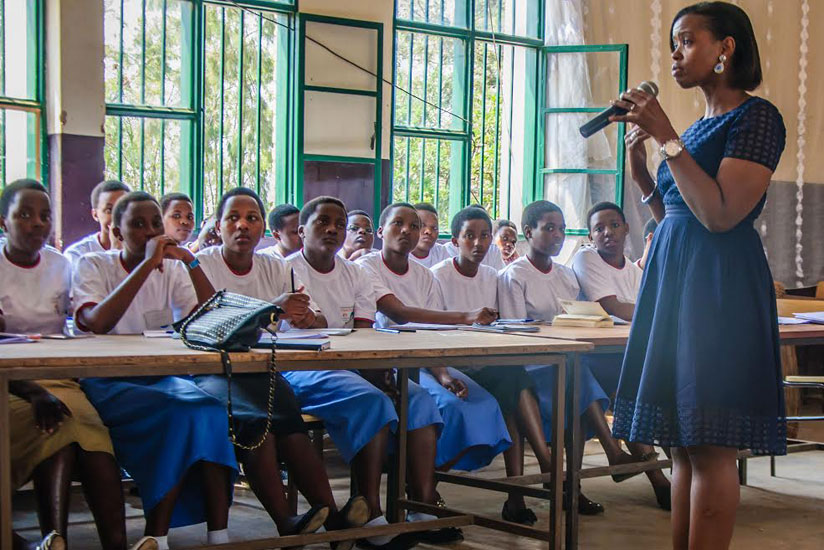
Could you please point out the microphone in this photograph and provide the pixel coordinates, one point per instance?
(601, 121)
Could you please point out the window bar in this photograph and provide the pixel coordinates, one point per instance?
(163, 100)
(426, 97)
(142, 92)
(220, 134)
(440, 117)
(409, 109)
(509, 157)
(497, 133)
(514, 17)
(483, 126)
(120, 98)
(257, 106)
(500, 17)
(3, 87)
(240, 100)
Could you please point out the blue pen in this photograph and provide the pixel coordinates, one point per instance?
(388, 330)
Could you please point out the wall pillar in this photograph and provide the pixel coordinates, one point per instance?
(76, 112)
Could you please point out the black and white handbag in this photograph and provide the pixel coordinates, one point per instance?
(229, 322)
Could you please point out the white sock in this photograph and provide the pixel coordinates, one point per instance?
(419, 516)
(162, 542)
(218, 537)
(379, 540)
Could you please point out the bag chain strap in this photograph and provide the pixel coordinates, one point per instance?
(227, 368)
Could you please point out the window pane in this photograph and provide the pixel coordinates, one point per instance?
(590, 79)
(19, 145)
(516, 17)
(144, 51)
(503, 93)
(577, 193)
(431, 68)
(150, 155)
(565, 148)
(451, 13)
(423, 172)
(242, 117)
(18, 49)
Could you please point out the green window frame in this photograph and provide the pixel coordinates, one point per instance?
(546, 109)
(450, 149)
(214, 119)
(22, 111)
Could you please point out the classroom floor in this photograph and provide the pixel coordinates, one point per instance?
(776, 513)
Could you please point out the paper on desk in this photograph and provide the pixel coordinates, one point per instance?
(791, 321)
(424, 326)
(618, 320)
(816, 317)
(158, 333)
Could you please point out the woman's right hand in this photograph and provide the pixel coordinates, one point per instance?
(156, 250)
(636, 142)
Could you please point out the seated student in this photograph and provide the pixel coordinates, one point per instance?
(167, 432)
(357, 414)
(360, 236)
(608, 277)
(532, 287)
(506, 238)
(207, 236)
(283, 221)
(103, 197)
(474, 429)
(178, 216)
(467, 284)
(54, 428)
(493, 257)
(236, 266)
(429, 251)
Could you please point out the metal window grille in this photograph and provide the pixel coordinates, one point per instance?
(463, 131)
(198, 96)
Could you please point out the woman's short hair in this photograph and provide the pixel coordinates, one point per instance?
(723, 20)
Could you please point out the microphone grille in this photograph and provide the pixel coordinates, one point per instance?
(649, 87)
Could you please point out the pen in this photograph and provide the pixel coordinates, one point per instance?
(292, 273)
(388, 330)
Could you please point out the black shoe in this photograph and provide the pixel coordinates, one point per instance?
(309, 522)
(664, 497)
(447, 535)
(354, 514)
(586, 507)
(524, 516)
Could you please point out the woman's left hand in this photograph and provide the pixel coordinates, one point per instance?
(644, 110)
(455, 385)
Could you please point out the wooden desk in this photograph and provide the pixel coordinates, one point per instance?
(109, 356)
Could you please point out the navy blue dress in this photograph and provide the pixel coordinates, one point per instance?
(702, 365)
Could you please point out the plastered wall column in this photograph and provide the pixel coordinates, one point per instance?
(76, 111)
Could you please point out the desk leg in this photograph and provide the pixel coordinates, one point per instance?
(573, 473)
(5, 466)
(397, 479)
(557, 444)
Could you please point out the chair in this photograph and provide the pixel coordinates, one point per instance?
(813, 382)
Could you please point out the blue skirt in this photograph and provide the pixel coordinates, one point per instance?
(353, 409)
(590, 390)
(606, 368)
(702, 365)
(160, 427)
(474, 424)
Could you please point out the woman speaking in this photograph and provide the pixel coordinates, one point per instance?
(702, 372)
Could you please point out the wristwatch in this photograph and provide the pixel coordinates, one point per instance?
(672, 148)
(193, 264)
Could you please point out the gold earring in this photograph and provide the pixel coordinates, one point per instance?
(719, 67)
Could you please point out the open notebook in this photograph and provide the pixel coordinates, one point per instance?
(582, 314)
